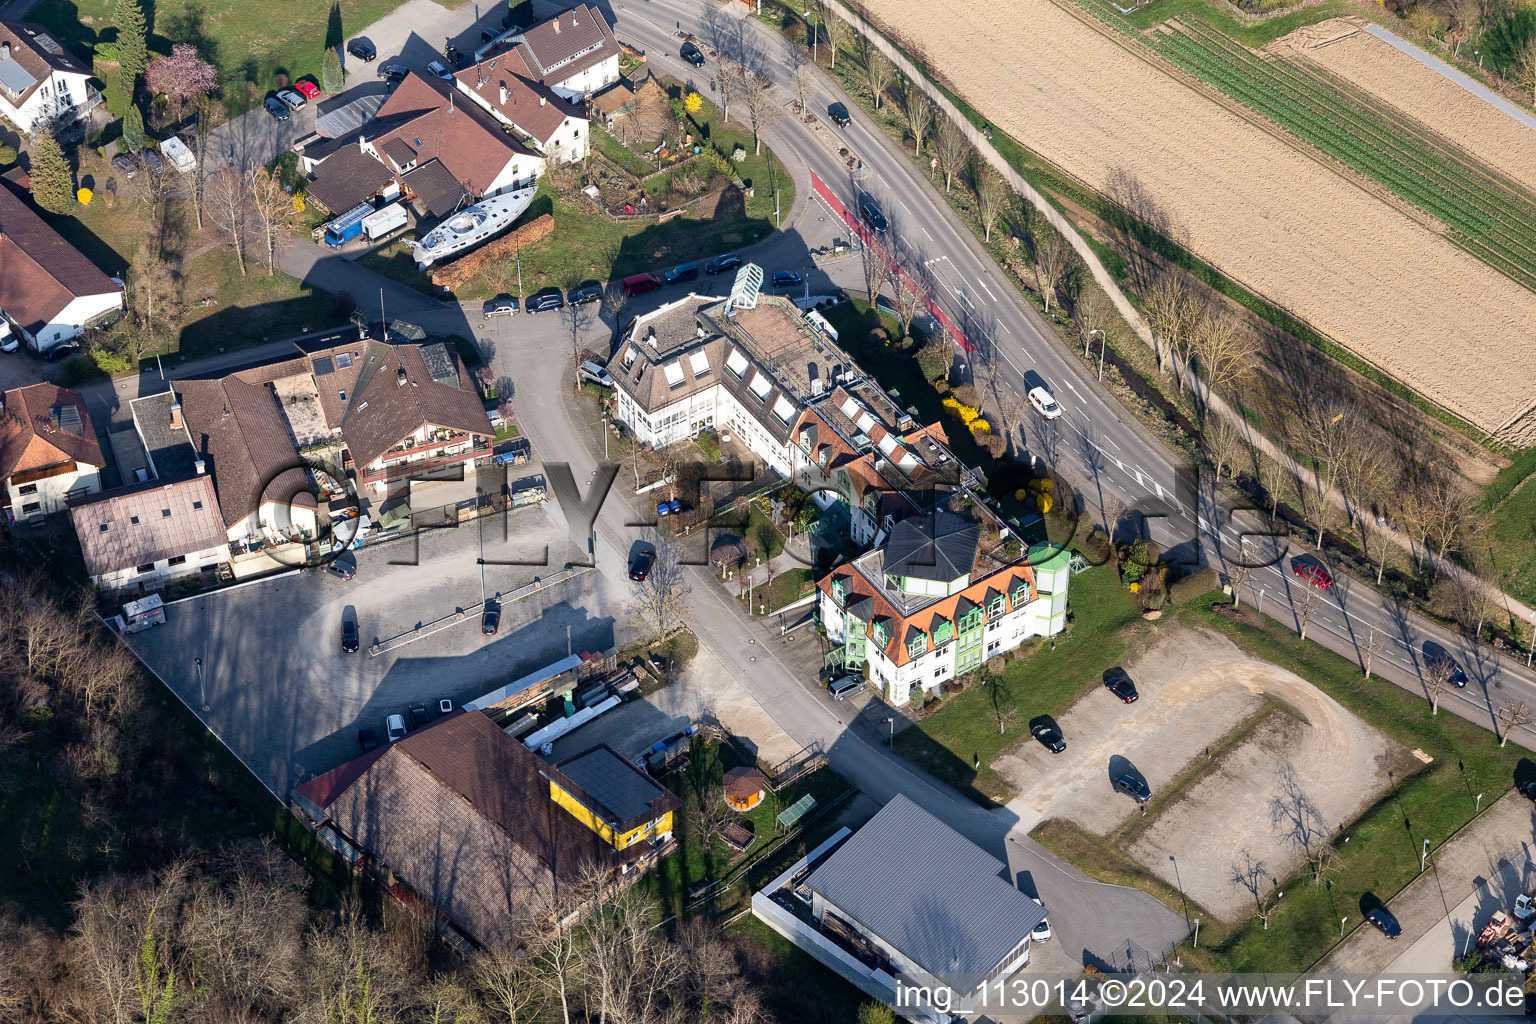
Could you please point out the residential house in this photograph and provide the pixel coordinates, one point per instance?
(929, 605)
(503, 86)
(145, 535)
(441, 151)
(621, 804)
(966, 930)
(48, 290)
(459, 815)
(48, 450)
(573, 53)
(40, 83)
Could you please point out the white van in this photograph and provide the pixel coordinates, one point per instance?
(10, 341)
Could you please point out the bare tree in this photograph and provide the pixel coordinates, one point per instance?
(1512, 714)
(993, 194)
(1225, 445)
(729, 82)
(1439, 514)
(509, 982)
(273, 211)
(1272, 476)
(1224, 350)
(1173, 310)
(1324, 432)
(1249, 874)
(578, 318)
(761, 101)
(210, 114)
(1305, 609)
(879, 269)
(227, 208)
(1238, 577)
(836, 30)
(1373, 643)
(879, 72)
(1005, 704)
(661, 601)
(714, 816)
(1324, 862)
(916, 112)
(911, 299)
(153, 291)
(1436, 677)
(951, 148)
(1089, 316)
(804, 79)
(1523, 71)
(1053, 259)
(154, 191)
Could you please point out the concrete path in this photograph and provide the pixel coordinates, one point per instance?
(1462, 79)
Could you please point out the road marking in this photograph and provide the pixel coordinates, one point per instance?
(1111, 442)
(1076, 392)
(1004, 327)
(984, 288)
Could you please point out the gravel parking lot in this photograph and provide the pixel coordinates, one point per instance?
(1309, 761)
(289, 702)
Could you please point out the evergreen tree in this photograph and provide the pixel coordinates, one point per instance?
(53, 184)
(132, 51)
(330, 72)
(133, 129)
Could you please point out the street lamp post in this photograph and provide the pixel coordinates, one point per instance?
(1102, 340)
(1184, 902)
(1197, 933)
(1262, 591)
(1424, 855)
(1341, 926)
(1479, 804)
(890, 720)
(202, 692)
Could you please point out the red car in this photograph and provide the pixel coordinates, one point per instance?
(1313, 574)
(308, 88)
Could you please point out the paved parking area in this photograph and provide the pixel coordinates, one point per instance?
(281, 694)
(415, 33)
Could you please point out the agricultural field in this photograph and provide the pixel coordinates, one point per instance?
(1363, 268)
(1342, 48)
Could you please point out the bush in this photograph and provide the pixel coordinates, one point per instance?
(1193, 586)
(995, 665)
(7, 155)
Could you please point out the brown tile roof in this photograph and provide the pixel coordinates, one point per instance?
(127, 527)
(435, 187)
(382, 411)
(31, 437)
(553, 45)
(529, 105)
(34, 57)
(615, 99)
(335, 371)
(42, 273)
(460, 813)
(239, 432)
(347, 177)
(464, 138)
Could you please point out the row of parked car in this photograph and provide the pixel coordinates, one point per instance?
(397, 726)
(592, 291)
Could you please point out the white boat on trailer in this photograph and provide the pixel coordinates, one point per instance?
(472, 225)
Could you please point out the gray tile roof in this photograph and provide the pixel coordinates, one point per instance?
(962, 918)
(171, 455)
(939, 547)
(145, 523)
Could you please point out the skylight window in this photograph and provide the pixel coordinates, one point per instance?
(783, 409)
(699, 362)
(761, 385)
(737, 363)
(343, 360)
(674, 372)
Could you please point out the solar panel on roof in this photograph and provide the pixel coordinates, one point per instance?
(439, 366)
(323, 366)
(69, 419)
(48, 43)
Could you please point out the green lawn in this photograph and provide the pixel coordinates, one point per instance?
(785, 587)
(251, 44)
(949, 742)
(1511, 501)
(619, 153)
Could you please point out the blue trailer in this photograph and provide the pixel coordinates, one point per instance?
(348, 226)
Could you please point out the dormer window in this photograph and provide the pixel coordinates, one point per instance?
(1021, 596)
(919, 646)
(840, 593)
(995, 609)
(943, 634)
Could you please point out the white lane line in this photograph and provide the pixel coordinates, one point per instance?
(1003, 326)
(983, 286)
(1111, 442)
(925, 231)
(1076, 392)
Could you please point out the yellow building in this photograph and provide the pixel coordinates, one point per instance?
(613, 798)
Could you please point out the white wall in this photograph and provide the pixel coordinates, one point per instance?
(71, 320)
(61, 92)
(520, 172)
(595, 78)
(51, 492)
(163, 570)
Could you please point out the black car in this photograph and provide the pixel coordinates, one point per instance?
(545, 301)
(394, 72)
(363, 49)
(1119, 684)
(1049, 737)
(640, 566)
(343, 565)
(692, 54)
(276, 108)
(720, 264)
(682, 272)
(1382, 918)
(124, 165)
(786, 279)
(61, 352)
(501, 305)
(1133, 787)
(1527, 789)
(490, 619)
(585, 293)
(870, 211)
(419, 716)
(349, 641)
(367, 738)
(839, 115)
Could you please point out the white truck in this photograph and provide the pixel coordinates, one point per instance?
(377, 225)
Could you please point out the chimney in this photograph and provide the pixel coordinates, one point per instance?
(542, 100)
(200, 467)
(5, 50)
(503, 93)
(400, 377)
(557, 29)
(175, 414)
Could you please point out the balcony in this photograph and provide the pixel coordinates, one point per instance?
(435, 439)
(395, 470)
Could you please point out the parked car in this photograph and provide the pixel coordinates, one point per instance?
(787, 279)
(1042, 931)
(367, 739)
(844, 687)
(1527, 789)
(394, 727)
(682, 272)
(692, 54)
(501, 305)
(292, 99)
(343, 565)
(640, 566)
(444, 706)
(124, 165)
(309, 90)
(1049, 737)
(582, 294)
(152, 162)
(419, 716)
(1314, 574)
(62, 351)
(594, 373)
(870, 212)
(349, 641)
(1133, 787)
(839, 115)
(363, 49)
(1382, 918)
(545, 301)
(490, 619)
(639, 284)
(1120, 684)
(275, 108)
(720, 264)
(438, 69)
(395, 71)
(1044, 403)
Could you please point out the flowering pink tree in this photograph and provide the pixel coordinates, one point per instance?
(181, 77)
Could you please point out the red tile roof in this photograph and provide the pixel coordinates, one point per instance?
(31, 436)
(42, 273)
(529, 105)
(552, 45)
(437, 124)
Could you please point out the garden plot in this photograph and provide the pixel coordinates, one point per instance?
(1242, 196)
